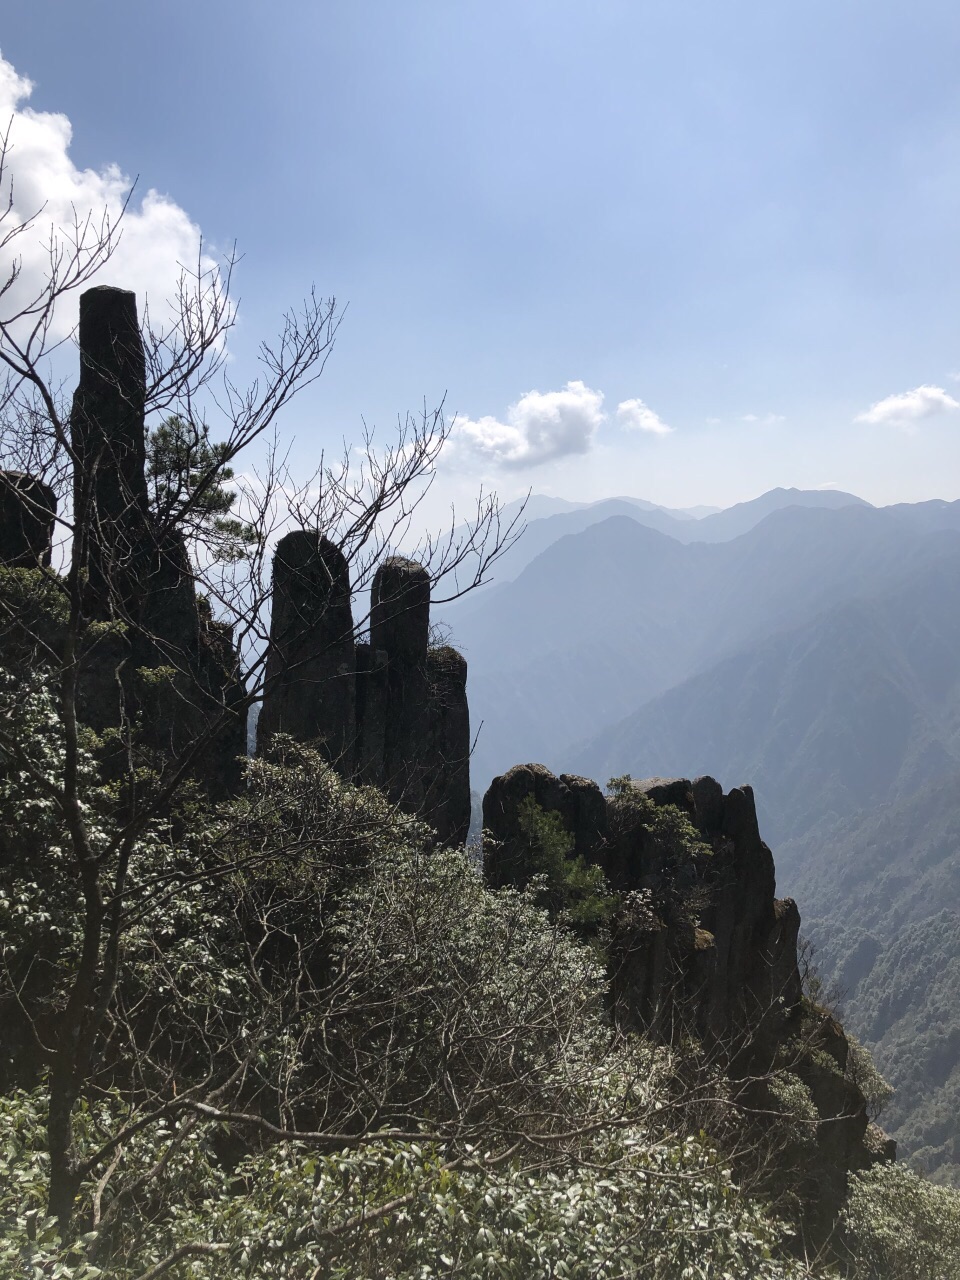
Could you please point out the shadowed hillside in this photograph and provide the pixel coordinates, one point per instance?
(860, 704)
(607, 619)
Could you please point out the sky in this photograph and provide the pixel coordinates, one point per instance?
(680, 251)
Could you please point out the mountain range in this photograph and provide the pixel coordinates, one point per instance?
(806, 643)
(607, 618)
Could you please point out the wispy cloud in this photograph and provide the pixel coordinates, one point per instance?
(542, 426)
(157, 233)
(637, 416)
(909, 407)
(762, 419)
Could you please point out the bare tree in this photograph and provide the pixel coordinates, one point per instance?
(111, 657)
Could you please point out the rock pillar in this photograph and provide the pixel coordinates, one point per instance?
(107, 433)
(447, 759)
(139, 573)
(400, 628)
(309, 689)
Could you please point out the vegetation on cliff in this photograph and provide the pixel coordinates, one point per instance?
(332, 1050)
(259, 1020)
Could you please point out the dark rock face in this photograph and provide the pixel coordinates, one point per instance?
(390, 713)
(107, 433)
(580, 803)
(371, 714)
(140, 573)
(446, 757)
(311, 667)
(704, 949)
(400, 627)
(28, 509)
(675, 791)
(400, 611)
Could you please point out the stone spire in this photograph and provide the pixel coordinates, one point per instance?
(391, 713)
(400, 628)
(310, 676)
(108, 438)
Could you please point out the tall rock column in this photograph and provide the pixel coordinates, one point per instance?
(447, 757)
(400, 628)
(310, 687)
(107, 434)
(139, 573)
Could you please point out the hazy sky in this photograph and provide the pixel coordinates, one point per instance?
(685, 251)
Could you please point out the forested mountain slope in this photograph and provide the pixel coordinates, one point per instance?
(859, 705)
(881, 895)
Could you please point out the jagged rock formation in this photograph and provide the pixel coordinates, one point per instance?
(391, 713)
(136, 572)
(703, 949)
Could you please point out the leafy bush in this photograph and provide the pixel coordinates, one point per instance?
(899, 1226)
(332, 1046)
(570, 888)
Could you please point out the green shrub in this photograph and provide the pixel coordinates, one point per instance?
(899, 1226)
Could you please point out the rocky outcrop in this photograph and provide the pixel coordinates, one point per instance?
(733, 969)
(699, 944)
(579, 802)
(391, 713)
(28, 509)
(168, 670)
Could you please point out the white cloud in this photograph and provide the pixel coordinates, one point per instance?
(763, 419)
(909, 407)
(540, 427)
(637, 416)
(157, 234)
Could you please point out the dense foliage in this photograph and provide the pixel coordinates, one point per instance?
(876, 890)
(333, 1051)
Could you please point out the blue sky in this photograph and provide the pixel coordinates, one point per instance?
(738, 221)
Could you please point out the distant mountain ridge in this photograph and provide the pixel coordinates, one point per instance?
(608, 618)
(547, 519)
(810, 646)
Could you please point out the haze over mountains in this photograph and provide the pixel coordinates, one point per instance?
(548, 519)
(608, 617)
(855, 707)
(807, 643)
